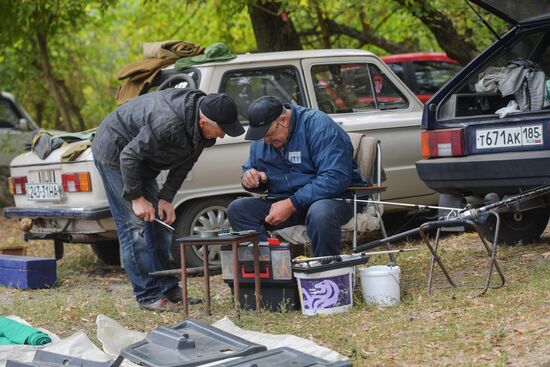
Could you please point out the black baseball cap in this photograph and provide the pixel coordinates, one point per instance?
(261, 113)
(221, 109)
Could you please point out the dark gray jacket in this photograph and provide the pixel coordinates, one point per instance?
(153, 132)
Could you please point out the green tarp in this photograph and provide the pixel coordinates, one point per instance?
(12, 332)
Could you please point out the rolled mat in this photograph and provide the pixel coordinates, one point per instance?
(13, 332)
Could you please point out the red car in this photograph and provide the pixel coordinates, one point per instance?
(423, 72)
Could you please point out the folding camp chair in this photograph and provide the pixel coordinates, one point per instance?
(368, 155)
(367, 152)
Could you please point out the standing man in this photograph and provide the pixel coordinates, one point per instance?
(304, 160)
(162, 130)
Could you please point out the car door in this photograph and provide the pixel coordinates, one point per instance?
(363, 95)
(15, 130)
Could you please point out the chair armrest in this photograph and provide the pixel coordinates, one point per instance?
(372, 188)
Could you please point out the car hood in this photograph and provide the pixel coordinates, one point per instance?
(517, 12)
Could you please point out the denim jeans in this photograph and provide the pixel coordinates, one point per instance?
(323, 221)
(144, 246)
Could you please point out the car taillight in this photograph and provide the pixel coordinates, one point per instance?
(17, 185)
(442, 143)
(76, 182)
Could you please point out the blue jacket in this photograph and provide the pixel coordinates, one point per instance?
(316, 163)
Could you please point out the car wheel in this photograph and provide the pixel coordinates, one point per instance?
(107, 251)
(200, 215)
(524, 227)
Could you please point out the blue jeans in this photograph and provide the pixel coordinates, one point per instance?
(144, 246)
(323, 221)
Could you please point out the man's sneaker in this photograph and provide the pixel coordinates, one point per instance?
(175, 295)
(160, 305)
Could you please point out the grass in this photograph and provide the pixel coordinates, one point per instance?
(507, 326)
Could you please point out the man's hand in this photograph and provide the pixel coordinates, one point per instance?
(166, 212)
(143, 209)
(279, 212)
(252, 178)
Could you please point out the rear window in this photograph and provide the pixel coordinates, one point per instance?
(514, 83)
(244, 86)
(431, 75)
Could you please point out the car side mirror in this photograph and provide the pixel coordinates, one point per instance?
(24, 124)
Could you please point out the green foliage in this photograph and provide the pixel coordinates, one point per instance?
(90, 40)
(58, 22)
(94, 39)
(393, 22)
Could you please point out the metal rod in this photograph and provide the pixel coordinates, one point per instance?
(206, 279)
(434, 255)
(376, 243)
(354, 256)
(417, 206)
(236, 290)
(190, 271)
(257, 289)
(167, 226)
(184, 280)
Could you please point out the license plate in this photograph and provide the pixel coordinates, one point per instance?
(516, 136)
(43, 192)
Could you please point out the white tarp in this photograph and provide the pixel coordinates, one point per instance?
(115, 337)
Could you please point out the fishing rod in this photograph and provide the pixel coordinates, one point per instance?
(475, 213)
(349, 257)
(415, 206)
(461, 217)
(537, 191)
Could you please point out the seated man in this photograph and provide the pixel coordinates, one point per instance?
(304, 160)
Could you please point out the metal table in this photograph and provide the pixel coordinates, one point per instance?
(230, 239)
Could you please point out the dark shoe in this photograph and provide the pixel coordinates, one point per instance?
(160, 305)
(176, 296)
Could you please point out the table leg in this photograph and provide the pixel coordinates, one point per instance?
(206, 281)
(236, 290)
(184, 279)
(257, 275)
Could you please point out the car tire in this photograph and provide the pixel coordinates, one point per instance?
(524, 227)
(201, 214)
(107, 251)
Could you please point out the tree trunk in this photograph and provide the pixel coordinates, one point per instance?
(273, 31)
(443, 30)
(323, 24)
(39, 112)
(57, 121)
(52, 84)
(72, 104)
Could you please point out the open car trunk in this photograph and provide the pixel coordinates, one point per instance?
(516, 12)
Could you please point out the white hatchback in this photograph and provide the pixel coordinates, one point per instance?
(66, 201)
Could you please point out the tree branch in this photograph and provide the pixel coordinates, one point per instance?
(442, 28)
(366, 36)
